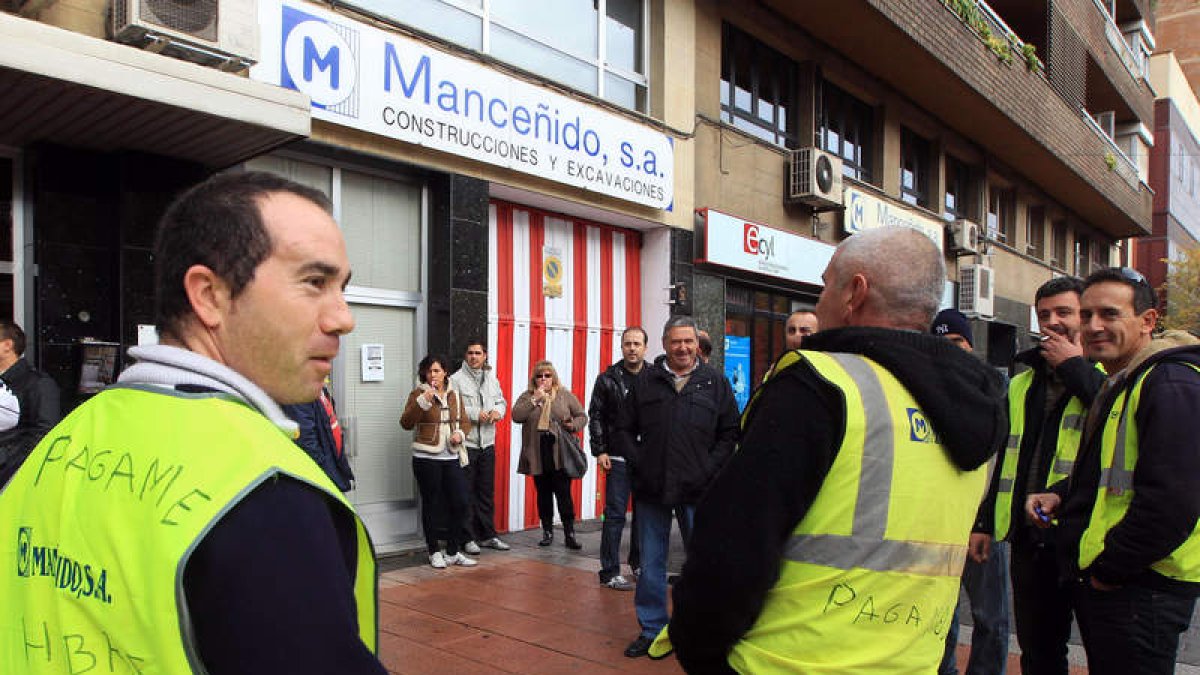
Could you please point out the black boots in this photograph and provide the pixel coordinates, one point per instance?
(569, 538)
(547, 538)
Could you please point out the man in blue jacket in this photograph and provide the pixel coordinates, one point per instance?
(323, 437)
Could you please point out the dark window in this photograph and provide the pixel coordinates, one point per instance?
(1000, 221)
(1035, 231)
(914, 169)
(847, 129)
(958, 181)
(1082, 256)
(758, 88)
(1059, 258)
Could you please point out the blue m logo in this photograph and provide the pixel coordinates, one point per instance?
(919, 428)
(320, 59)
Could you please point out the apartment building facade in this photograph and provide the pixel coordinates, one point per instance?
(542, 174)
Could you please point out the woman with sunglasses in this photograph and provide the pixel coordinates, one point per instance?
(439, 456)
(545, 404)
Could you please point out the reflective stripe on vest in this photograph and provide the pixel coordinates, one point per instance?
(98, 525)
(1114, 493)
(1070, 431)
(870, 575)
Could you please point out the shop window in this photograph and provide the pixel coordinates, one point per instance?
(1059, 252)
(847, 129)
(1000, 215)
(758, 88)
(761, 316)
(914, 169)
(594, 46)
(1035, 231)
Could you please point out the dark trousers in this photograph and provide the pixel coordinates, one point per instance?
(443, 487)
(1131, 629)
(616, 501)
(553, 484)
(1041, 609)
(481, 489)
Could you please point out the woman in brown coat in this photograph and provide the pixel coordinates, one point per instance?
(545, 404)
(436, 414)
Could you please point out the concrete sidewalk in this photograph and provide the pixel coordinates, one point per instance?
(532, 610)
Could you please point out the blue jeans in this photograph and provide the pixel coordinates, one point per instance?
(654, 535)
(1132, 628)
(986, 585)
(616, 500)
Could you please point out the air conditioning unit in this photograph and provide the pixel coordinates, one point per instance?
(964, 237)
(814, 178)
(975, 291)
(221, 33)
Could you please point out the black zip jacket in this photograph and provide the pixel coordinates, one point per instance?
(676, 442)
(788, 445)
(1166, 479)
(608, 395)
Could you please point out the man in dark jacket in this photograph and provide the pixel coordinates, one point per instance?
(1127, 516)
(1049, 401)
(323, 438)
(882, 288)
(677, 428)
(37, 394)
(608, 395)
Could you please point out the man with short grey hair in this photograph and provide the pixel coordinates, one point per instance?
(676, 430)
(834, 538)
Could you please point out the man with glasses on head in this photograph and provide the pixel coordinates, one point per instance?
(484, 401)
(1127, 515)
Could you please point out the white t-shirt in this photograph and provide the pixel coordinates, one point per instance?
(10, 408)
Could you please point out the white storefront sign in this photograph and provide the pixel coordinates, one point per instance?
(391, 85)
(865, 211)
(744, 245)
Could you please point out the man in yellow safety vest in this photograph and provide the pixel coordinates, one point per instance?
(170, 524)
(1128, 514)
(833, 540)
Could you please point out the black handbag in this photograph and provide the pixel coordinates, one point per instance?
(570, 448)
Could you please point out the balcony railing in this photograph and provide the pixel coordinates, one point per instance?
(1121, 163)
(996, 34)
(1117, 41)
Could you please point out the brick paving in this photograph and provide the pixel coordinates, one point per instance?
(530, 610)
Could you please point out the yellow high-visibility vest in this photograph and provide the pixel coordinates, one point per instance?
(870, 577)
(1070, 431)
(97, 527)
(1118, 459)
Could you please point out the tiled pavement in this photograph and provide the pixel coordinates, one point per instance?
(529, 610)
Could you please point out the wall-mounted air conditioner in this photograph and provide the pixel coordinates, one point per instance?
(975, 291)
(223, 33)
(814, 178)
(963, 236)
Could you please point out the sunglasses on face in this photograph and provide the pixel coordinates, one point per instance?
(545, 376)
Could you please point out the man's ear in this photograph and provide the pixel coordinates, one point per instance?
(859, 290)
(208, 294)
(1149, 321)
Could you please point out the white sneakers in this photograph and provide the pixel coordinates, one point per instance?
(471, 547)
(439, 560)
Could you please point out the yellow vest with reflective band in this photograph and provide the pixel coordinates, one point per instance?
(98, 524)
(1118, 459)
(870, 577)
(1070, 430)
